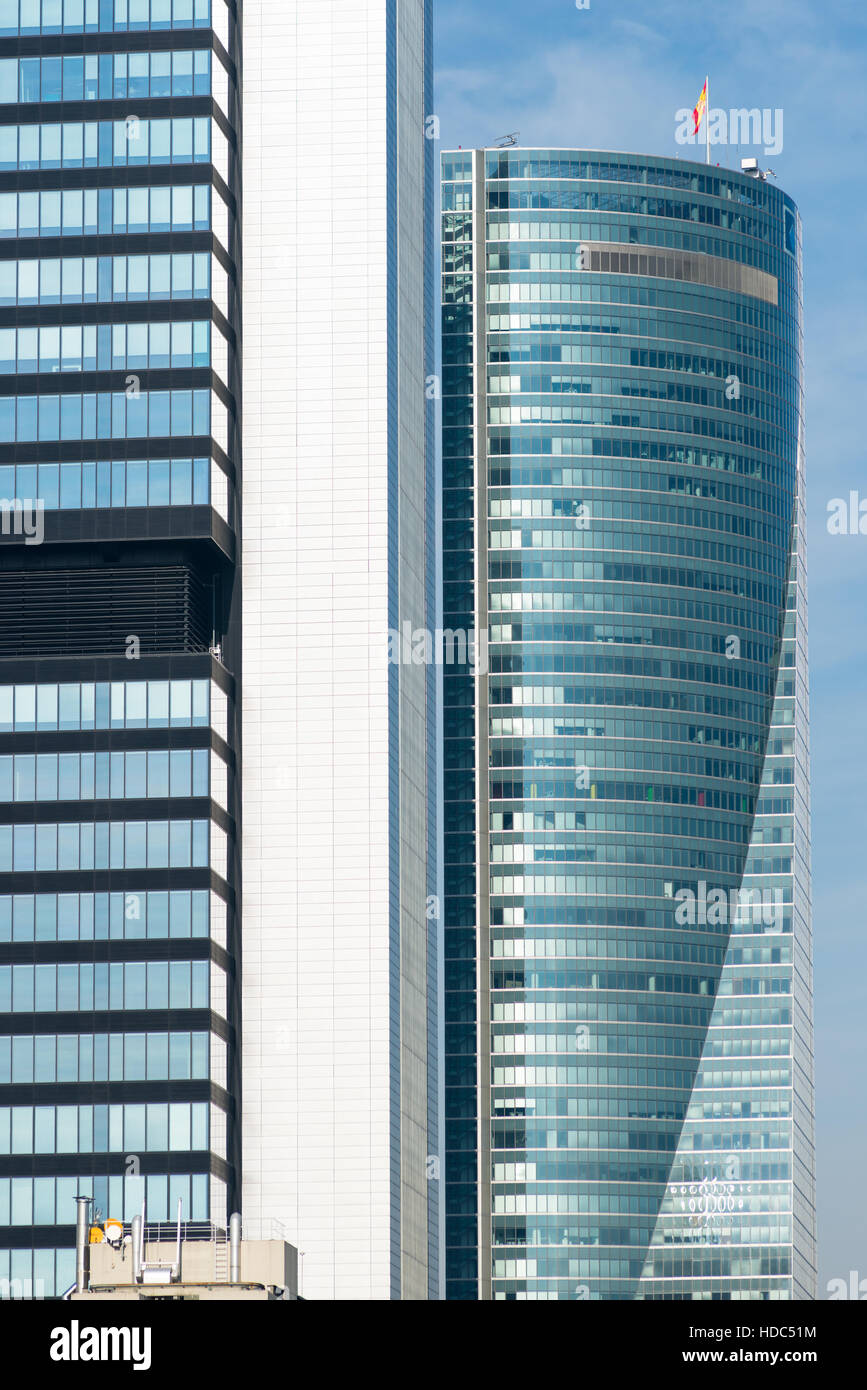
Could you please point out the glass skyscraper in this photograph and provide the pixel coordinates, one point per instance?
(628, 1044)
(151, 1045)
(118, 639)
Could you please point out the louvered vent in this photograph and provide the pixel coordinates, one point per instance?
(70, 611)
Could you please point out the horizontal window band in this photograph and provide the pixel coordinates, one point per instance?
(89, 667)
(143, 446)
(117, 110)
(113, 382)
(115, 881)
(692, 267)
(111, 311)
(113, 951)
(114, 1093)
(74, 42)
(117, 740)
(107, 740)
(111, 810)
(124, 1021)
(115, 176)
(97, 244)
(87, 483)
(54, 449)
(104, 108)
(152, 1163)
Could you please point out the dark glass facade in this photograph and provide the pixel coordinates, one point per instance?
(628, 1069)
(118, 641)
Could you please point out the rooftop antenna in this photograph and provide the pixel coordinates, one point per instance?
(751, 167)
(506, 140)
(81, 1242)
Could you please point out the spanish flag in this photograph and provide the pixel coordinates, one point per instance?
(700, 108)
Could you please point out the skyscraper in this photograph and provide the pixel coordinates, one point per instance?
(339, 1058)
(628, 1035)
(173, 180)
(118, 649)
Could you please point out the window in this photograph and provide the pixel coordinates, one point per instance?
(157, 1056)
(9, 80)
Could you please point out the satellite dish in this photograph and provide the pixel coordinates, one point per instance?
(113, 1231)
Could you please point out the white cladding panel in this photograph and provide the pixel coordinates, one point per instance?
(316, 1121)
(315, 577)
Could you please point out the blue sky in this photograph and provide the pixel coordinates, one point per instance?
(612, 77)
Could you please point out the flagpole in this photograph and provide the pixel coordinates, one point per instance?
(707, 114)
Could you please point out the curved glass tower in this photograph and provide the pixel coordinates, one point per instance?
(627, 929)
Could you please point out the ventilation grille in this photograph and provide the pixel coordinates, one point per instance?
(72, 611)
(697, 268)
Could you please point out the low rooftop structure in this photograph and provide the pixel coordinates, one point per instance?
(187, 1261)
